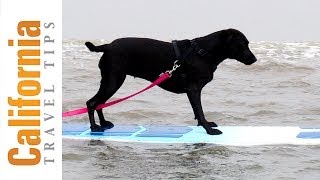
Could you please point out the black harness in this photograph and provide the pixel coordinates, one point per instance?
(194, 48)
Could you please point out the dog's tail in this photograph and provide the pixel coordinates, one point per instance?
(93, 48)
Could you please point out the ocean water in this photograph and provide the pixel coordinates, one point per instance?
(281, 88)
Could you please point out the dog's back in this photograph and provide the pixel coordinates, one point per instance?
(138, 57)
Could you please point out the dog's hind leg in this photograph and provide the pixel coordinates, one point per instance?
(91, 105)
(109, 85)
(194, 97)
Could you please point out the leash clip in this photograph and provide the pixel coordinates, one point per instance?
(175, 67)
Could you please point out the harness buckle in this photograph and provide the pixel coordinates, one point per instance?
(175, 67)
(202, 52)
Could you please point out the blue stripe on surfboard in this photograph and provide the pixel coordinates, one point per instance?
(309, 135)
(165, 131)
(129, 130)
(73, 129)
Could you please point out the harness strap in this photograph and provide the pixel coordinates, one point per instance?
(194, 47)
(198, 49)
(176, 49)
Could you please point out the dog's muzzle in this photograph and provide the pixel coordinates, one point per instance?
(250, 60)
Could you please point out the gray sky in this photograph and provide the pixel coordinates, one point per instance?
(268, 20)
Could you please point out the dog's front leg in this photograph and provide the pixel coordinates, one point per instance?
(194, 97)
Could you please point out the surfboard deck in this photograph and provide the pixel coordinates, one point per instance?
(232, 135)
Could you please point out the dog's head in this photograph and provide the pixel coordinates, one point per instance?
(237, 47)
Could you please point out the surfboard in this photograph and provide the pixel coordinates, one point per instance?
(232, 135)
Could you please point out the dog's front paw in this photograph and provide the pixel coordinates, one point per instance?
(106, 124)
(213, 131)
(96, 128)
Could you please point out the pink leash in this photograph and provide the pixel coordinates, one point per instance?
(162, 78)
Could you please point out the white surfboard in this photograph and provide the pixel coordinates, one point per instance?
(232, 135)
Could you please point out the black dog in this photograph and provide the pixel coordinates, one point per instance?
(147, 58)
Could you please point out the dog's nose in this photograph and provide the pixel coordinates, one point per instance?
(254, 59)
(251, 60)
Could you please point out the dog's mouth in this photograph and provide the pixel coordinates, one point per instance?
(251, 62)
